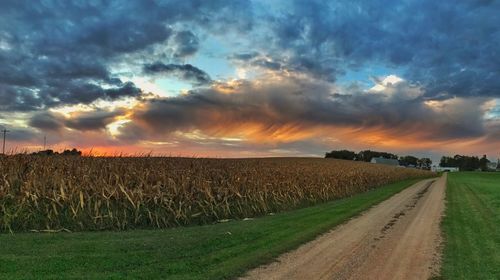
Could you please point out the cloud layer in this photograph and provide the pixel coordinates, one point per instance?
(285, 109)
(261, 77)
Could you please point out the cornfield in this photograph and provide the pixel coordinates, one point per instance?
(87, 193)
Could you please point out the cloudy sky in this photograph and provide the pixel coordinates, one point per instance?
(241, 78)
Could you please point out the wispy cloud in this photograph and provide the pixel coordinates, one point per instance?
(182, 71)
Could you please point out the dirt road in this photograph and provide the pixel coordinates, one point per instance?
(397, 239)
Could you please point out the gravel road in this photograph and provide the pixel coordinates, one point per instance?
(397, 239)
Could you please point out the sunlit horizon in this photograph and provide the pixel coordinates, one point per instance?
(250, 78)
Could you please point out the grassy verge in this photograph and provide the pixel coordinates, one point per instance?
(472, 226)
(199, 252)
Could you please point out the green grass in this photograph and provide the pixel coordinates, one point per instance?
(472, 226)
(199, 252)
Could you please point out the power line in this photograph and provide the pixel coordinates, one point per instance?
(4, 136)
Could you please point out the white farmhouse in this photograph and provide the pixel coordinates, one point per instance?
(437, 168)
(386, 161)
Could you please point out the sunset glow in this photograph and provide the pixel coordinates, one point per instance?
(250, 78)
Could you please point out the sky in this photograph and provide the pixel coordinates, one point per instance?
(251, 78)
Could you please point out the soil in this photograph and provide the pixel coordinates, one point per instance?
(397, 239)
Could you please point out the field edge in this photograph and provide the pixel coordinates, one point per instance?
(231, 248)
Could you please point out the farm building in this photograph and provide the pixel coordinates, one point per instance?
(492, 166)
(436, 168)
(386, 161)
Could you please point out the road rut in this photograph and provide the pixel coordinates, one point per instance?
(397, 239)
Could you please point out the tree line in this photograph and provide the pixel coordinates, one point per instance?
(367, 155)
(466, 163)
(73, 152)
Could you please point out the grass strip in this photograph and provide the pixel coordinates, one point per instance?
(217, 251)
(472, 226)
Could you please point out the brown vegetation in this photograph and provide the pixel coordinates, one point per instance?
(86, 193)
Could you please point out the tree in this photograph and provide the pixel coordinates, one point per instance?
(483, 163)
(342, 154)
(424, 163)
(73, 152)
(470, 163)
(44, 153)
(448, 162)
(464, 163)
(367, 155)
(408, 160)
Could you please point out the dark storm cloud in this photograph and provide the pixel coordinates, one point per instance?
(293, 105)
(15, 98)
(450, 48)
(186, 72)
(94, 120)
(47, 121)
(56, 53)
(77, 92)
(82, 121)
(59, 52)
(186, 44)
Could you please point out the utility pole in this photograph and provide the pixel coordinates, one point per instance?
(4, 135)
(44, 142)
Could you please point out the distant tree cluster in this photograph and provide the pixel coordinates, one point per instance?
(73, 152)
(367, 155)
(408, 161)
(465, 163)
(342, 154)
